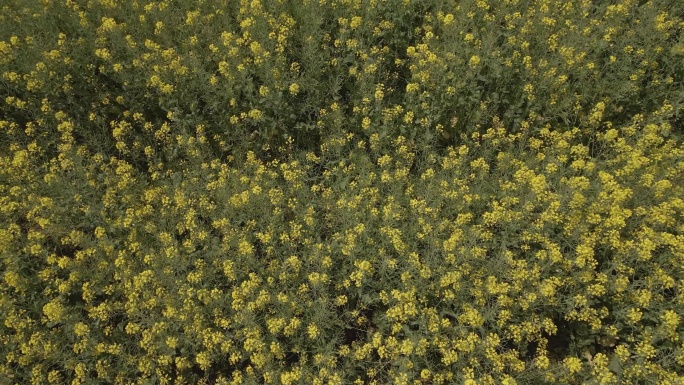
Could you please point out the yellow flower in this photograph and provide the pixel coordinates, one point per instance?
(355, 22)
(203, 360)
(158, 27)
(645, 349)
(406, 347)
(172, 342)
(166, 88)
(622, 352)
(292, 377)
(103, 53)
(634, 315)
(597, 113)
(474, 61)
(573, 364)
(412, 87)
(408, 118)
(255, 114)
(108, 24)
(54, 310)
(292, 326)
(379, 93)
(449, 357)
(294, 88)
(542, 362)
(81, 329)
(99, 232)
(365, 123)
(313, 331)
(191, 17)
(54, 377)
(12, 279)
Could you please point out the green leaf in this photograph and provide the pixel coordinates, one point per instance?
(366, 298)
(615, 365)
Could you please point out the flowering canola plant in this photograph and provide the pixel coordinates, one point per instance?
(341, 192)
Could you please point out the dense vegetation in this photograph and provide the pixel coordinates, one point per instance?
(341, 192)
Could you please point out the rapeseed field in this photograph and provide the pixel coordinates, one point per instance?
(333, 192)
